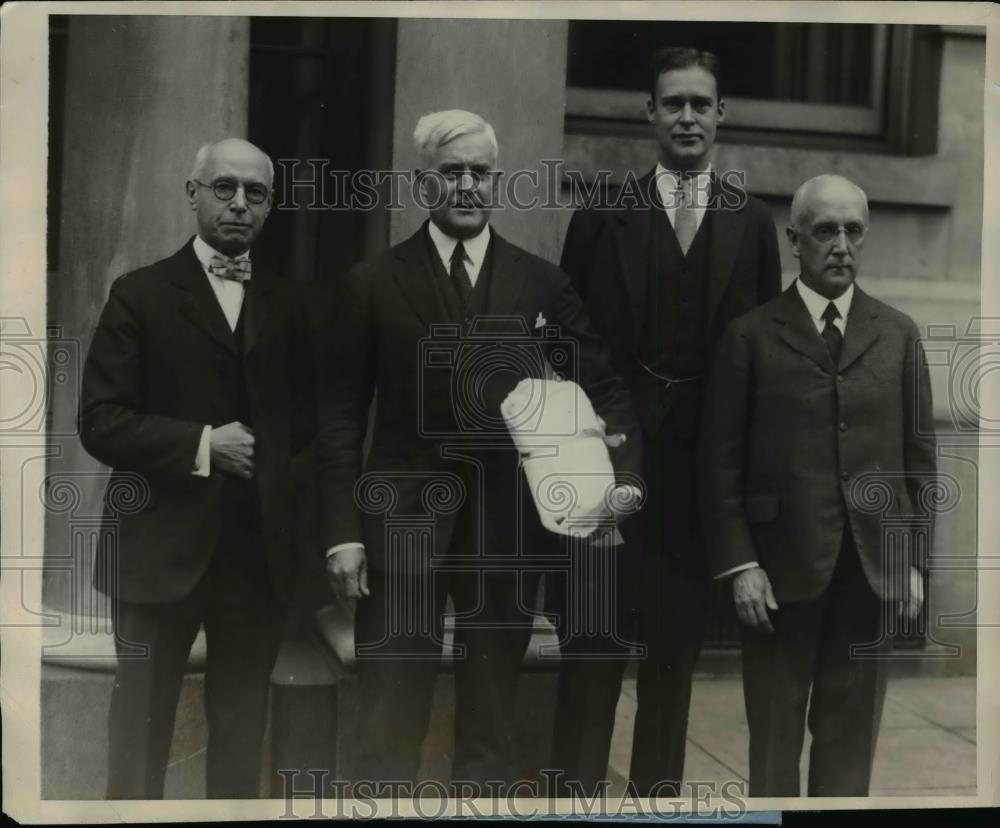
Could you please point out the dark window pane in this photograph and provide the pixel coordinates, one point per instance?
(815, 63)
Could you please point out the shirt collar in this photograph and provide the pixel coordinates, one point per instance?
(816, 303)
(475, 248)
(668, 182)
(204, 251)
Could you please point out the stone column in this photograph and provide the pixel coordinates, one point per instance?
(142, 94)
(513, 73)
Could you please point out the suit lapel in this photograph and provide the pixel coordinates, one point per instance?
(862, 328)
(199, 303)
(414, 275)
(255, 300)
(796, 328)
(632, 239)
(507, 279)
(728, 227)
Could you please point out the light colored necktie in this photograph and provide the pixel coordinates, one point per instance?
(236, 270)
(685, 221)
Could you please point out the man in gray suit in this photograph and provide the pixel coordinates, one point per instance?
(814, 399)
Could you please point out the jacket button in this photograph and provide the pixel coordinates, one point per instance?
(844, 475)
(840, 377)
(843, 426)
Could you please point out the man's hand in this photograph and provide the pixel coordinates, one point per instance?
(231, 450)
(347, 571)
(910, 606)
(753, 598)
(610, 440)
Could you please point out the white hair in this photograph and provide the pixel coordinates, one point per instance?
(201, 157)
(800, 201)
(436, 129)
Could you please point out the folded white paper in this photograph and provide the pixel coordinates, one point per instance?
(566, 461)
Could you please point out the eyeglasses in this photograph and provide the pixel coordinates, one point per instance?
(828, 231)
(225, 190)
(475, 177)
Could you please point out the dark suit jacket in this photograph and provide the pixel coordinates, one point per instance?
(606, 253)
(385, 345)
(150, 385)
(793, 447)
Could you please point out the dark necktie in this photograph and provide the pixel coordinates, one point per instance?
(831, 333)
(459, 275)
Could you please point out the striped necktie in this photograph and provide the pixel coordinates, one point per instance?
(685, 220)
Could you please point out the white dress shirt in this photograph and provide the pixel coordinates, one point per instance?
(475, 249)
(230, 295)
(816, 305)
(698, 188)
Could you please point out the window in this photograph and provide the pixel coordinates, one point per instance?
(799, 82)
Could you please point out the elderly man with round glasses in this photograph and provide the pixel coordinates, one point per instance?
(189, 386)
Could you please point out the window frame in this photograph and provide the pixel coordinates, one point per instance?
(887, 124)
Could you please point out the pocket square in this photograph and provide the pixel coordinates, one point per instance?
(540, 320)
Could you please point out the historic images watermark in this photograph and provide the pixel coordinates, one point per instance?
(466, 371)
(31, 367)
(313, 184)
(313, 794)
(464, 359)
(82, 507)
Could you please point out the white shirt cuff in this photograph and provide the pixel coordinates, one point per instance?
(735, 569)
(203, 459)
(333, 550)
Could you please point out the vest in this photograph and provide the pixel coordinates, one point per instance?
(235, 400)
(443, 415)
(478, 299)
(674, 341)
(233, 397)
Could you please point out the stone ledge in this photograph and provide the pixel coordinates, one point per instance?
(913, 181)
(87, 643)
(335, 628)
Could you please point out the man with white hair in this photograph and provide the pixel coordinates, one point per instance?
(442, 327)
(810, 454)
(189, 383)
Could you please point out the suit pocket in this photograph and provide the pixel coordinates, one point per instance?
(761, 508)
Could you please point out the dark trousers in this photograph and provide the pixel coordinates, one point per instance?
(670, 629)
(399, 647)
(243, 625)
(811, 649)
(664, 601)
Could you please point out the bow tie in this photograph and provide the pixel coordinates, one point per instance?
(236, 270)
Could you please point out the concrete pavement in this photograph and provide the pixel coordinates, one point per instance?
(926, 746)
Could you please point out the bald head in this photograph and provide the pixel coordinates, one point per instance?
(229, 148)
(820, 188)
(230, 192)
(829, 221)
